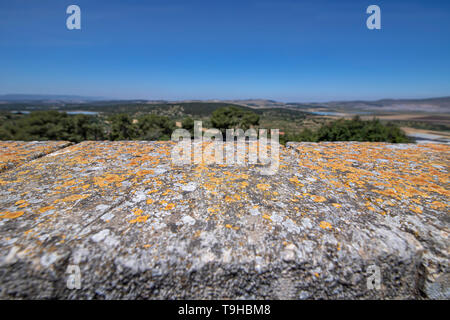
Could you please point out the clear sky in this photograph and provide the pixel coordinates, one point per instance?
(312, 50)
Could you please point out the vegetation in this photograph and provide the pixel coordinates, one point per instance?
(154, 127)
(51, 125)
(234, 118)
(54, 125)
(425, 125)
(352, 130)
(188, 124)
(157, 122)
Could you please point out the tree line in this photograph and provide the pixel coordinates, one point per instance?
(351, 130)
(55, 125)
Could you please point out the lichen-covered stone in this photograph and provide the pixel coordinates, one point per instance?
(138, 226)
(13, 153)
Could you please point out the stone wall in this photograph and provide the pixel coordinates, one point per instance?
(137, 226)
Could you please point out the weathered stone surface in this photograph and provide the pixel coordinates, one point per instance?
(139, 227)
(13, 153)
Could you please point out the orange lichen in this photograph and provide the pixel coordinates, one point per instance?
(144, 172)
(169, 206)
(24, 205)
(438, 205)
(294, 180)
(415, 209)
(11, 215)
(325, 225)
(73, 197)
(140, 219)
(45, 209)
(318, 198)
(108, 179)
(263, 186)
(244, 184)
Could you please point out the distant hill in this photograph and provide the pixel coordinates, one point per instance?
(438, 105)
(430, 105)
(34, 101)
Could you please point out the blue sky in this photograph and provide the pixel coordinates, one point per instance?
(313, 50)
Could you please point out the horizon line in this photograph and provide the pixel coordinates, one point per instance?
(68, 97)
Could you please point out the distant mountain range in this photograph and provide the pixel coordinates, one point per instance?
(433, 105)
(439, 105)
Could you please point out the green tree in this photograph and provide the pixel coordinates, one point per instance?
(154, 127)
(188, 124)
(352, 130)
(122, 127)
(83, 127)
(232, 117)
(52, 125)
